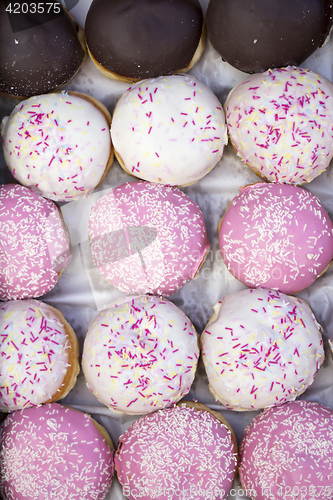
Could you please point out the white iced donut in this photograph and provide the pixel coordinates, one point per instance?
(140, 354)
(169, 130)
(261, 348)
(280, 123)
(58, 144)
(39, 354)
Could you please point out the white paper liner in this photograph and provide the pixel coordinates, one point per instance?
(81, 293)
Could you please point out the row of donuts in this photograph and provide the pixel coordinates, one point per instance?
(150, 238)
(184, 451)
(141, 353)
(172, 130)
(119, 40)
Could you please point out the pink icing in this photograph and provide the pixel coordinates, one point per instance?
(33, 352)
(140, 354)
(57, 144)
(178, 452)
(276, 236)
(287, 453)
(53, 452)
(280, 123)
(34, 243)
(147, 238)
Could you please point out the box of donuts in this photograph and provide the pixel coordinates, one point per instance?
(166, 293)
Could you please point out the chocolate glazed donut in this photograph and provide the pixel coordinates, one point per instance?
(38, 52)
(255, 35)
(143, 38)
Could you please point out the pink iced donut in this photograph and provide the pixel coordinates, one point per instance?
(186, 451)
(261, 348)
(280, 123)
(52, 452)
(287, 453)
(169, 130)
(39, 354)
(34, 243)
(58, 144)
(140, 354)
(276, 236)
(147, 238)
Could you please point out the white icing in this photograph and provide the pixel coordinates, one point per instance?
(261, 348)
(33, 352)
(140, 355)
(280, 123)
(169, 130)
(57, 144)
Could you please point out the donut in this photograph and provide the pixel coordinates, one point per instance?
(39, 354)
(138, 39)
(34, 243)
(186, 451)
(140, 355)
(51, 451)
(169, 130)
(147, 238)
(276, 236)
(261, 34)
(287, 452)
(280, 124)
(40, 49)
(58, 144)
(261, 348)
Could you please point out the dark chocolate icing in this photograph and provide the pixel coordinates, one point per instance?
(255, 35)
(144, 38)
(40, 58)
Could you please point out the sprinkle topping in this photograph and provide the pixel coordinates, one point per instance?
(176, 127)
(281, 123)
(262, 349)
(53, 452)
(140, 355)
(34, 245)
(174, 450)
(33, 354)
(289, 448)
(276, 236)
(57, 144)
(147, 238)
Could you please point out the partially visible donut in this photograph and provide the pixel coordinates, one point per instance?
(256, 35)
(34, 243)
(135, 39)
(287, 451)
(41, 48)
(39, 354)
(186, 451)
(54, 452)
